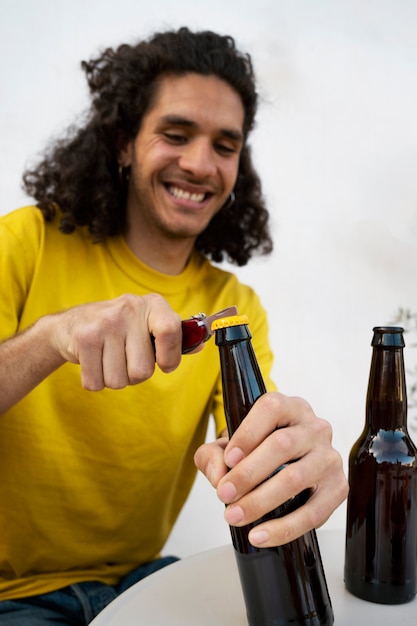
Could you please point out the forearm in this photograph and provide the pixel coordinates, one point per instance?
(25, 360)
(110, 340)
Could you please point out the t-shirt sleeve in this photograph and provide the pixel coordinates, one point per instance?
(20, 236)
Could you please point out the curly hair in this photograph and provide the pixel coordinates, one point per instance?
(78, 174)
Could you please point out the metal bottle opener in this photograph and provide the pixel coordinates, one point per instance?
(197, 329)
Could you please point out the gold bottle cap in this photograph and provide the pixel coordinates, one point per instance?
(232, 320)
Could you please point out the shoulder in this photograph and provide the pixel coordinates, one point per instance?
(22, 219)
(23, 228)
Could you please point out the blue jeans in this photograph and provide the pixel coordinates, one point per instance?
(75, 605)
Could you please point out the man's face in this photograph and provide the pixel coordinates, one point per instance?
(184, 159)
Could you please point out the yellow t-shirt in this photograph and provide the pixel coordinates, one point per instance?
(91, 483)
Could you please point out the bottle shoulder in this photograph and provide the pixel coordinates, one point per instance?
(385, 446)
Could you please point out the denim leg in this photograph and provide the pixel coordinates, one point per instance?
(61, 608)
(93, 598)
(76, 605)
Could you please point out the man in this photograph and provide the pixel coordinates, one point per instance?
(94, 282)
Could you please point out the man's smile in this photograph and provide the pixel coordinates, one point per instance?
(183, 194)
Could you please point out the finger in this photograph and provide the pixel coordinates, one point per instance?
(147, 331)
(114, 344)
(91, 362)
(313, 514)
(209, 459)
(82, 343)
(250, 467)
(278, 449)
(294, 478)
(164, 325)
(140, 355)
(271, 411)
(115, 373)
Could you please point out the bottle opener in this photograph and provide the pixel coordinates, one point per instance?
(197, 329)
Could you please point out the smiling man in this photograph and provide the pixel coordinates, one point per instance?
(183, 166)
(102, 418)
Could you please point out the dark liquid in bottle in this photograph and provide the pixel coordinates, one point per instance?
(262, 574)
(379, 565)
(285, 581)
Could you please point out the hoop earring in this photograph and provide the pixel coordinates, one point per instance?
(124, 174)
(230, 201)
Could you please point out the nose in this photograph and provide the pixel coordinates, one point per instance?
(198, 158)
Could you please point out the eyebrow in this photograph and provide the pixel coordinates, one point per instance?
(178, 120)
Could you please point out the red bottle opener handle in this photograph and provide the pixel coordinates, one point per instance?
(194, 332)
(197, 329)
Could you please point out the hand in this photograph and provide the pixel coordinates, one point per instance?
(112, 340)
(278, 429)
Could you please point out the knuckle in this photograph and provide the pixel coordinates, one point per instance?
(342, 488)
(124, 301)
(246, 473)
(272, 402)
(141, 373)
(199, 457)
(167, 361)
(155, 299)
(283, 443)
(130, 302)
(88, 335)
(314, 516)
(294, 478)
(253, 507)
(332, 462)
(167, 326)
(115, 382)
(287, 530)
(323, 427)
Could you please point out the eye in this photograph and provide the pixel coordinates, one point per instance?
(225, 148)
(175, 138)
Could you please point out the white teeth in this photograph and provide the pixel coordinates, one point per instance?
(181, 194)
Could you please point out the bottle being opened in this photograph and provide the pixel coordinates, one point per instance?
(381, 529)
(285, 584)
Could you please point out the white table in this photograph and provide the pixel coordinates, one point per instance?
(204, 590)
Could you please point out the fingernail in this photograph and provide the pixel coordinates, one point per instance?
(258, 537)
(233, 457)
(227, 492)
(233, 515)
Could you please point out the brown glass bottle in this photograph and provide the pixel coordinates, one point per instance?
(381, 529)
(286, 584)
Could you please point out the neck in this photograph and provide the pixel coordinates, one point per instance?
(168, 256)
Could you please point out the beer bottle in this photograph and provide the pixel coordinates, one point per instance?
(381, 529)
(285, 584)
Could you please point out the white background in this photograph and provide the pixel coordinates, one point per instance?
(336, 146)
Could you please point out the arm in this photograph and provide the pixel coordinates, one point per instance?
(278, 429)
(111, 341)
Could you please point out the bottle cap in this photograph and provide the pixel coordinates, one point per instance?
(388, 336)
(232, 320)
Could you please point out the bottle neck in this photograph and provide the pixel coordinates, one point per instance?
(241, 376)
(386, 402)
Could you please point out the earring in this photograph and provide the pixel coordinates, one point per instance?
(124, 174)
(230, 201)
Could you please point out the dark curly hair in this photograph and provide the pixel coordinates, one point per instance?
(79, 173)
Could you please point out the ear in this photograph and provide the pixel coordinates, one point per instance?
(124, 151)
